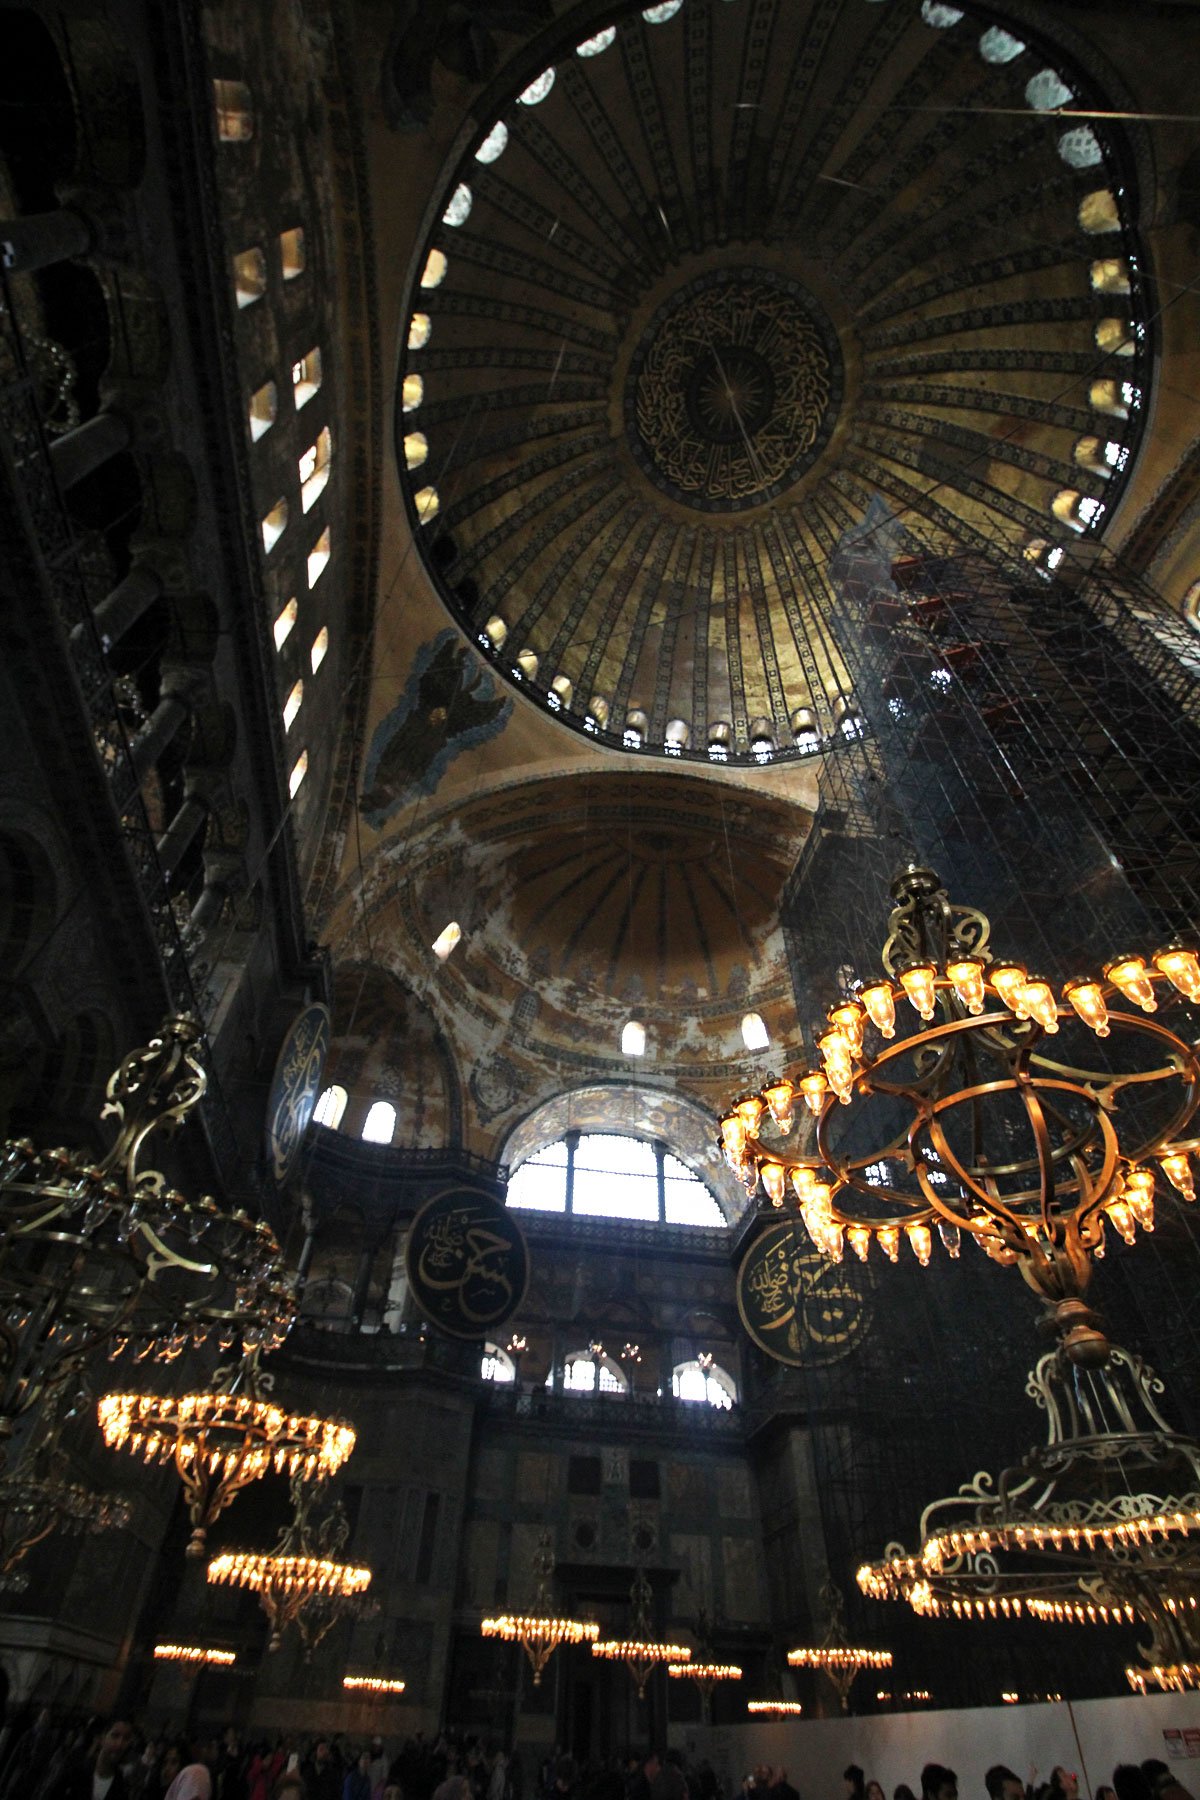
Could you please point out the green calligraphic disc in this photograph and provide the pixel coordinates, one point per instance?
(795, 1304)
(296, 1086)
(468, 1265)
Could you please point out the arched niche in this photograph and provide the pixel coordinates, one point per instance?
(687, 1129)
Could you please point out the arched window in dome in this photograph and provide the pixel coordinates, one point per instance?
(434, 272)
(755, 1035)
(1110, 275)
(1046, 91)
(427, 502)
(703, 1381)
(330, 1107)
(537, 90)
(284, 624)
(762, 740)
(999, 46)
(412, 392)
(494, 144)
(720, 740)
(613, 1175)
(806, 733)
(249, 276)
(1100, 456)
(1080, 148)
(1112, 397)
(458, 211)
(319, 650)
(633, 1038)
(597, 44)
(658, 15)
(597, 713)
(561, 692)
(274, 525)
(416, 449)
(1079, 511)
(676, 735)
(380, 1123)
(527, 664)
(264, 406)
(1098, 212)
(1114, 337)
(419, 329)
(299, 771)
(234, 109)
(292, 256)
(637, 725)
(496, 1364)
(494, 633)
(939, 16)
(314, 467)
(292, 705)
(306, 378)
(592, 1372)
(318, 558)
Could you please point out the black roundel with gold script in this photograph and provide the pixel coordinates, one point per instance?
(468, 1266)
(797, 1306)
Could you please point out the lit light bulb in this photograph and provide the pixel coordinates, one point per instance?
(1178, 1171)
(1122, 1217)
(774, 1179)
(778, 1094)
(966, 972)
(1139, 1196)
(1087, 997)
(860, 1240)
(1008, 979)
(831, 1241)
(1129, 974)
(733, 1138)
(1181, 968)
(951, 1236)
(834, 1046)
(803, 1180)
(889, 1241)
(750, 1109)
(1037, 1002)
(850, 1018)
(918, 982)
(814, 1087)
(920, 1242)
(880, 1003)
(749, 1175)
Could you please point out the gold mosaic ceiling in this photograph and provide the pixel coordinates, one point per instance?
(711, 277)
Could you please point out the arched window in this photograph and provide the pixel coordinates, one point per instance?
(1047, 91)
(291, 252)
(434, 272)
(284, 624)
(585, 1372)
(330, 1107)
(234, 110)
(292, 705)
(497, 1364)
(1080, 149)
(1075, 509)
(446, 939)
(459, 210)
(274, 525)
(676, 735)
(494, 144)
(299, 771)
(427, 503)
(264, 405)
(314, 468)
(636, 727)
(537, 90)
(527, 664)
(380, 1123)
(562, 690)
(612, 1175)
(318, 558)
(1098, 212)
(412, 392)
(1114, 337)
(320, 649)
(1110, 275)
(755, 1035)
(633, 1038)
(762, 740)
(999, 46)
(419, 328)
(702, 1380)
(598, 44)
(306, 378)
(416, 449)
(249, 276)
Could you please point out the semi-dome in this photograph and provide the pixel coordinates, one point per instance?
(660, 355)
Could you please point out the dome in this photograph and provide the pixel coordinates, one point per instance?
(676, 351)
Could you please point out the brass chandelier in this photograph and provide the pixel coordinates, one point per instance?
(303, 1574)
(38, 1495)
(223, 1438)
(1032, 1123)
(540, 1633)
(835, 1657)
(107, 1253)
(641, 1653)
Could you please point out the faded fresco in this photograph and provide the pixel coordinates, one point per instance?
(449, 704)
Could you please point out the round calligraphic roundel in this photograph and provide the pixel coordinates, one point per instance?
(468, 1265)
(295, 1087)
(733, 390)
(797, 1306)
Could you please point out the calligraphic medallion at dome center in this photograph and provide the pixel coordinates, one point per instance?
(733, 389)
(468, 1264)
(799, 1308)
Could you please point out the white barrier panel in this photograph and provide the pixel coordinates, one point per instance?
(1090, 1737)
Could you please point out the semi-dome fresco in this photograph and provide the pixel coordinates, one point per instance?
(660, 357)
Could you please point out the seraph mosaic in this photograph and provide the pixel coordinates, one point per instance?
(448, 705)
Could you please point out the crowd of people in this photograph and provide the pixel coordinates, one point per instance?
(1150, 1780)
(109, 1759)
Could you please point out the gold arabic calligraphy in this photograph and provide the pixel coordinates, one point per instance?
(462, 1258)
(794, 1304)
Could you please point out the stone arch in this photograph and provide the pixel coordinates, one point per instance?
(387, 1045)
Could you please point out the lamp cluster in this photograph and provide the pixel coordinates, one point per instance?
(539, 1636)
(260, 1570)
(239, 1437)
(193, 1653)
(635, 1650)
(777, 1709)
(372, 1684)
(705, 1671)
(1167, 1677)
(839, 1656)
(1009, 1012)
